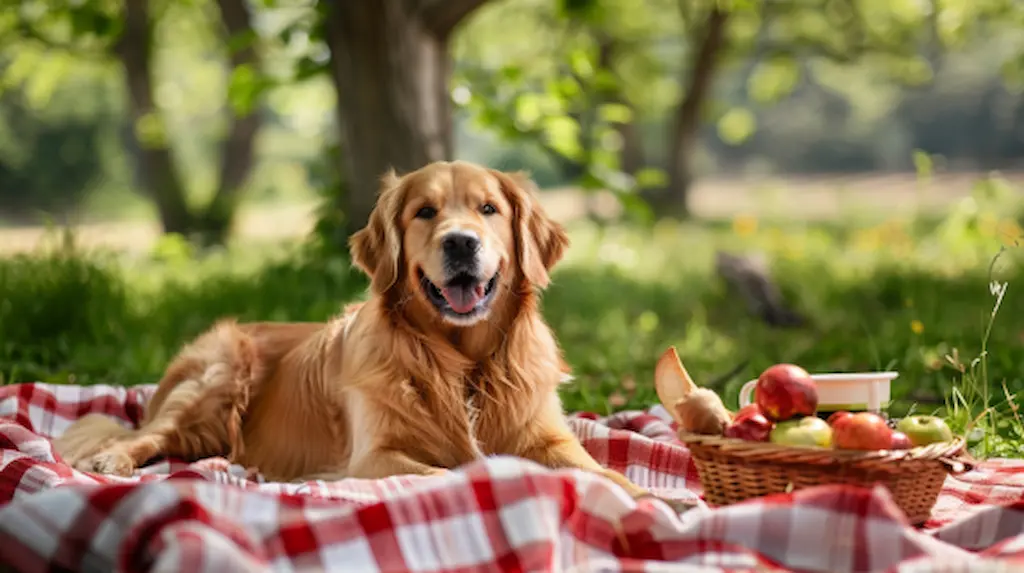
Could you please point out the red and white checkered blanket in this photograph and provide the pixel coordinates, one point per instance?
(499, 514)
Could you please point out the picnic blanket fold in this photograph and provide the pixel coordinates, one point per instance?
(497, 514)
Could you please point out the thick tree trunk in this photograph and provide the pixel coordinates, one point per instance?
(391, 74)
(155, 165)
(391, 66)
(673, 200)
(237, 148)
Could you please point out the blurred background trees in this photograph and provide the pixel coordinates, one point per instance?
(190, 108)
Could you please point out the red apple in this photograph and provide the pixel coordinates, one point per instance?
(785, 391)
(862, 431)
(900, 441)
(747, 410)
(751, 426)
(838, 418)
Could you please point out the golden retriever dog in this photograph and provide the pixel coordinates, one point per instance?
(448, 361)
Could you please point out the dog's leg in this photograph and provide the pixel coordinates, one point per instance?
(122, 457)
(196, 419)
(88, 435)
(195, 412)
(128, 451)
(386, 463)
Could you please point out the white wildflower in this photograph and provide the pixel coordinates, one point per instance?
(998, 290)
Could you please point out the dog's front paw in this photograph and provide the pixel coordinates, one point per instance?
(111, 462)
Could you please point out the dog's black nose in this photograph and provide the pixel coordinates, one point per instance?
(460, 246)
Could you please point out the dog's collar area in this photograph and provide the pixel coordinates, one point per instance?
(462, 298)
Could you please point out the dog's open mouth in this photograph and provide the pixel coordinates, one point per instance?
(463, 294)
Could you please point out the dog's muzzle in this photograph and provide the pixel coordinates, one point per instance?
(464, 292)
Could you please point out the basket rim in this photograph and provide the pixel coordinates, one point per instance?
(735, 447)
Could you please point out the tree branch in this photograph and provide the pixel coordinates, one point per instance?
(686, 123)
(442, 16)
(237, 148)
(701, 75)
(235, 17)
(155, 163)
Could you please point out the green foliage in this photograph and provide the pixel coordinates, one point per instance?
(88, 27)
(551, 92)
(54, 144)
(27, 179)
(53, 305)
(736, 125)
(773, 79)
(44, 53)
(995, 426)
(560, 93)
(548, 85)
(67, 315)
(245, 88)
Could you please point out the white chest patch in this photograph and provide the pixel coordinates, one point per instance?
(473, 414)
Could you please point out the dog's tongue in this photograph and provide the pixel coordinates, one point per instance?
(463, 299)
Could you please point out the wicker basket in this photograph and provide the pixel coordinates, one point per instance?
(733, 470)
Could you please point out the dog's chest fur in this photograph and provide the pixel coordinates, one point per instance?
(496, 408)
(448, 403)
(476, 414)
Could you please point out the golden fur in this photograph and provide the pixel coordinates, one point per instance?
(391, 386)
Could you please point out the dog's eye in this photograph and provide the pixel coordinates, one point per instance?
(426, 213)
(488, 209)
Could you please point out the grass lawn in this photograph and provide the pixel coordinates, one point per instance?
(906, 294)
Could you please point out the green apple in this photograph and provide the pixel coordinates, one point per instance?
(807, 431)
(923, 430)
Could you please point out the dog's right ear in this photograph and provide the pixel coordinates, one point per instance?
(377, 247)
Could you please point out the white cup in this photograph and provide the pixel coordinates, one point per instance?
(854, 392)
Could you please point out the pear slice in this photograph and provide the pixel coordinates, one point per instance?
(671, 380)
(696, 410)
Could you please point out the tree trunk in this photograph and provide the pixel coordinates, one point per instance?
(237, 148)
(390, 65)
(632, 158)
(155, 164)
(672, 200)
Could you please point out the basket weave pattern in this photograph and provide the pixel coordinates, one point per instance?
(734, 470)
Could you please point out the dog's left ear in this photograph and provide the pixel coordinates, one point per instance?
(377, 247)
(540, 240)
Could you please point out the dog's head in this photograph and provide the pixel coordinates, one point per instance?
(458, 237)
